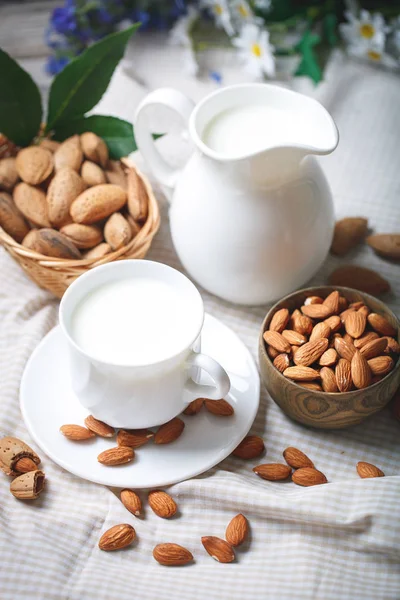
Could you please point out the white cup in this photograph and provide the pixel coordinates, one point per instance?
(138, 396)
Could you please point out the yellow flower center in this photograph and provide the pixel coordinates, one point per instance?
(243, 11)
(218, 9)
(374, 55)
(367, 31)
(256, 50)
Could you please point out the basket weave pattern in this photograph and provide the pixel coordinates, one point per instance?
(56, 274)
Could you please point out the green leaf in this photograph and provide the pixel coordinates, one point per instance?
(20, 102)
(81, 84)
(309, 65)
(117, 134)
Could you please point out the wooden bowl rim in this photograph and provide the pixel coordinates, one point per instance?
(309, 291)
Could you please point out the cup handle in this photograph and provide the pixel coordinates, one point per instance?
(178, 102)
(221, 385)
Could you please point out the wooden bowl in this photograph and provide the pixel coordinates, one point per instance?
(321, 409)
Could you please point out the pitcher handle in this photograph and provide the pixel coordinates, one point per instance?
(183, 106)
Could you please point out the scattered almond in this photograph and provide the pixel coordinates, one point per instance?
(296, 458)
(273, 471)
(348, 232)
(169, 432)
(308, 476)
(218, 549)
(194, 407)
(77, 432)
(134, 438)
(385, 244)
(99, 428)
(359, 278)
(116, 456)
(250, 447)
(117, 537)
(172, 555)
(221, 408)
(237, 530)
(132, 502)
(366, 470)
(162, 504)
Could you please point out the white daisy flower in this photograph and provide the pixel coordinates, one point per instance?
(222, 16)
(367, 28)
(373, 54)
(255, 50)
(264, 5)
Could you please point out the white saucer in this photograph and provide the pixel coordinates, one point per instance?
(47, 402)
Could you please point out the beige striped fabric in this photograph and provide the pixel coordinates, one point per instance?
(336, 541)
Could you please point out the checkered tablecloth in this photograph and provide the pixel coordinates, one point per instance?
(336, 541)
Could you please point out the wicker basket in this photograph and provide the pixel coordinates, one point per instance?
(56, 274)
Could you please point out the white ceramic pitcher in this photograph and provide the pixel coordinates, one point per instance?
(253, 228)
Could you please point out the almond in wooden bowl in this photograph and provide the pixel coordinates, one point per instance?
(363, 395)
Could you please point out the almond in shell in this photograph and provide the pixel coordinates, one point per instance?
(28, 486)
(117, 231)
(134, 438)
(250, 447)
(51, 243)
(169, 432)
(218, 549)
(359, 278)
(137, 196)
(25, 465)
(8, 174)
(172, 555)
(308, 476)
(98, 251)
(50, 145)
(11, 220)
(83, 236)
(65, 186)
(34, 164)
(97, 203)
(132, 502)
(221, 408)
(31, 202)
(117, 537)
(296, 458)
(116, 456)
(237, 530)
(12, 450)
(115, 174)
(92, 174)
(69, 154)
(162, 504)
(99, 427)
(94, 148)
(273, 471)
(367, 470)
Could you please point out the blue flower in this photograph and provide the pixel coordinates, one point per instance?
(54, 65)
(104, 16)
(215, 76)
(139, 16)
(63, 20)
